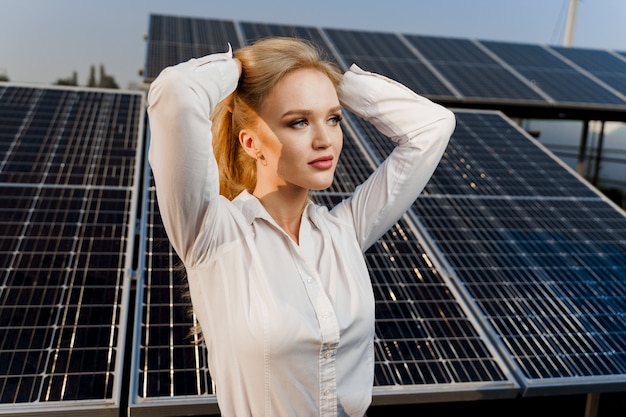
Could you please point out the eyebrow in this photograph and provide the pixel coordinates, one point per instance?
(308, 112)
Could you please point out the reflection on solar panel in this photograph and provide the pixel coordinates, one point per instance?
(488, 157)
(67, 172)
(550, 73)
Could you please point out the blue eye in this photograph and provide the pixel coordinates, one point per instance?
(335, 120)
(299, 124)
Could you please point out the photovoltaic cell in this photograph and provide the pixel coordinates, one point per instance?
(66, 219)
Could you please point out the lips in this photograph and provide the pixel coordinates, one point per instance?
(324, 162)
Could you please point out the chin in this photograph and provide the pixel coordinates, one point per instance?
(319, 182)
(321, 187)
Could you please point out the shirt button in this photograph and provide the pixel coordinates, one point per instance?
(328, 355)
(326, 393)
(309, 280)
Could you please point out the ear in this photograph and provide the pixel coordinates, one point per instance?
(247, 139)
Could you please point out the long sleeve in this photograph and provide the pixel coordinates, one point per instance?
(421, 129)
(180, 102)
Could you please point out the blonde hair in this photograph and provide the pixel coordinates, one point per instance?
(264, 63)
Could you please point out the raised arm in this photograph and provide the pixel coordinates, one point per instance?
(180, 102)
(421, 129)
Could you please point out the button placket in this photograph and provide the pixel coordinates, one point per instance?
(329, 332)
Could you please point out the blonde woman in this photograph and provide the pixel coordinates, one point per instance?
(279, 285)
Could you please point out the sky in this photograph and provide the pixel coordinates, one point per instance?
(42, 41)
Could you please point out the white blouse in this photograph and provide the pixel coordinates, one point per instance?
(289, 328)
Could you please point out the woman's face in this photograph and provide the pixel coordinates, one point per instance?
(299, 132)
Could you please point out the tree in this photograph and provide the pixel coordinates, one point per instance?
(92, 77)
(73, 80)
(106, 81)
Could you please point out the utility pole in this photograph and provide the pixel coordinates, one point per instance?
(569, 28)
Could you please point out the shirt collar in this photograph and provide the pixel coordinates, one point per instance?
(251, 208)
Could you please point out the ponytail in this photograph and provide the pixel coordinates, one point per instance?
(237, 169)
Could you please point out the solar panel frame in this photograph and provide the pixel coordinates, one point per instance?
(72, 314)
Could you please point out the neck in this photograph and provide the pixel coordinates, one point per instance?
(286, 208)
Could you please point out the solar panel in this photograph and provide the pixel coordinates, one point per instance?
(169, 361)
(387, 54)
(424, 335)
(176, 39)
(67, 180)
(471, 71)
(607, 67)
(488, 158)
(541, 255)
(255, 31)
(509, 268)
(559, 80)
(460, 72)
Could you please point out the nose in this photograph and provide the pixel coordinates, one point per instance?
(323, 136)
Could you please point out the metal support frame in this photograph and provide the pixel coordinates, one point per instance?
(580, 166)
(598, 156)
